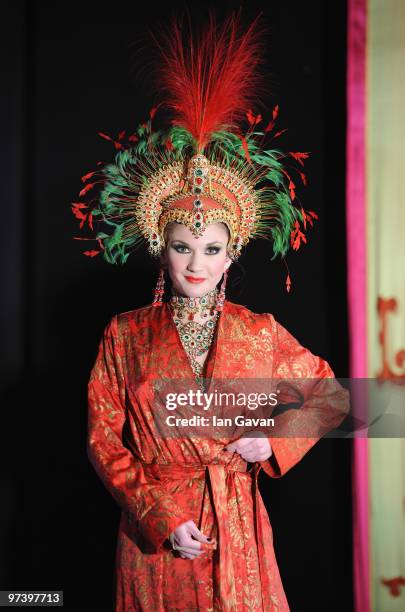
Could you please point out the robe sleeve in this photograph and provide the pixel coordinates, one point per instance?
(148, 504)
(323, 402)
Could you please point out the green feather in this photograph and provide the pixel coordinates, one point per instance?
(133, 167)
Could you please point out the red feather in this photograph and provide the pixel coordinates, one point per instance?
(210, 81)
(246, 149)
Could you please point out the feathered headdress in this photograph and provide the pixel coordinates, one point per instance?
(205, 167)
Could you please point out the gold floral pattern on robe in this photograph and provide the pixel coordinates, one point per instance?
(161, 483)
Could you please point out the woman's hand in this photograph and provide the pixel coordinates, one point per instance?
(251, 449)
(186, 540)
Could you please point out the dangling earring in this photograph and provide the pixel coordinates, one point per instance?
(221, 296)
(159, 289)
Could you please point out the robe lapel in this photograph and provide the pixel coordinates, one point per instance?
(167, 356)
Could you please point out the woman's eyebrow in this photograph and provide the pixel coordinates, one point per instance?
(208, 243)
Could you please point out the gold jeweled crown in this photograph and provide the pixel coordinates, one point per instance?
(204, 168)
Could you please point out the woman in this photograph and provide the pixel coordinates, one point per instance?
(194, 533)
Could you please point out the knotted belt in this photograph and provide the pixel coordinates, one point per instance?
(217, 473)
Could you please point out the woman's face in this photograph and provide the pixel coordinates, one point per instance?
(196, 265)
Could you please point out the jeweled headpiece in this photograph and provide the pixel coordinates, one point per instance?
(204, 168)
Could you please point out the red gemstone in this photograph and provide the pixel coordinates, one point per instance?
(198, 181)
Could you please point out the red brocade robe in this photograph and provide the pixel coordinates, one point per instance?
(161, 483)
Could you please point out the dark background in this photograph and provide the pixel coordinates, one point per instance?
(69, 71)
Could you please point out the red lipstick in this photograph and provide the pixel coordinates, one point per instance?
(194, 279)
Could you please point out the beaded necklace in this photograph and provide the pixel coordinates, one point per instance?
(195, 337)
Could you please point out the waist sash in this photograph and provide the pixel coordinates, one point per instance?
(216, 474)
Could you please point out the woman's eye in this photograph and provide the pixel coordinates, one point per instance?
(180, 248)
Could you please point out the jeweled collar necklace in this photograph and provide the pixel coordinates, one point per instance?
(184, 307)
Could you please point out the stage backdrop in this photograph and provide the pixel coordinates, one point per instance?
(71, 70)
(376, 224)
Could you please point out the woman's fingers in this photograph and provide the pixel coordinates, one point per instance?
(188, 549)
(255, 456)
(211, 545)
(193, 551)
(186, 537)
(187, 554)
(252, 449)
(197, 534)
(189, 541)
